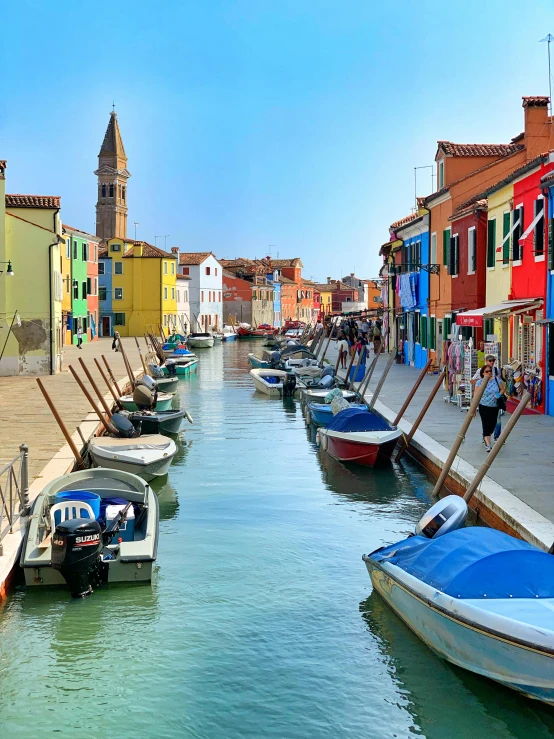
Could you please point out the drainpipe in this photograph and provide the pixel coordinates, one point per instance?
(51, 312)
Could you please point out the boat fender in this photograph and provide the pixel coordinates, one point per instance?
(188, 417)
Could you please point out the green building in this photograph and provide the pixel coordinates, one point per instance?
(79, 274)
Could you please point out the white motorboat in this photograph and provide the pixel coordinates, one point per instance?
(146, 456)
(163, 402)
(200, 341)
(228, 333)
(121, 539)
(316, 395)
(269, 381)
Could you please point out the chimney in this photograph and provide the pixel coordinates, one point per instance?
(137, 249)
(174, 249)
(329, 280)
(536, 125)
(352, 274)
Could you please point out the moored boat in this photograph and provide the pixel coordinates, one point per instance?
(318, 395)
(480, 598)
(257, 363)
(228, 333)
(200, 341)
(320, 413)
(147, 456)
(121, 539)
(358, 435)
(181, 366)
(269, 381)
(163, 402)
(159, 422)
(167, 385)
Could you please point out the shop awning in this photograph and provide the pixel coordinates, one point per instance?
(508, 307)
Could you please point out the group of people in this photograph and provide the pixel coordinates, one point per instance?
(356, 336)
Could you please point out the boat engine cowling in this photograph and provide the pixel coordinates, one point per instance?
(148, 382)
(289, 386)
(142, 397)
(76, 545)
(446, 515)
(124, 427)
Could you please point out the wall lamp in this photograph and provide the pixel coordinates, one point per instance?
(9, 271)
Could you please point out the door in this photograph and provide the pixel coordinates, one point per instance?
(106, 326)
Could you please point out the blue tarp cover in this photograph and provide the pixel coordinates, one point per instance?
(475, 563)
(357, 419)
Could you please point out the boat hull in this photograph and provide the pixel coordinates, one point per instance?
(527, 670)
(166, 422)
(356, 451)
(183, 369)
(200, 343)
(147, 472)
(162, 404)
(257, 363)
(168, 385)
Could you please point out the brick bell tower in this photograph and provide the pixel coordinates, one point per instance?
(112, 173)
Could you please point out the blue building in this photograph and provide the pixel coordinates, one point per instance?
(273, 280)
(547, 183)
(105, 293)
(412, 287)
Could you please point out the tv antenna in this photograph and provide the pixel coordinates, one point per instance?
(548, 39)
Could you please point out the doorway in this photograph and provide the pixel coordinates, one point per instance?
(439, 341)
(106, 326)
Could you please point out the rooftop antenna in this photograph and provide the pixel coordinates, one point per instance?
(548, 39)
(426, 166)
(135, 223)
(270, 247)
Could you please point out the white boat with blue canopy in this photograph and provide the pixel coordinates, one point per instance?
(478, 597)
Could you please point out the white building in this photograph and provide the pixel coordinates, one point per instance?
(183, 304)
(363, 290)
(204, 289)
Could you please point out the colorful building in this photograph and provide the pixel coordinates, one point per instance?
(83, 250)
(143, 288)
(105, 293)
(31, 289)
(547, 188)
(205, 289)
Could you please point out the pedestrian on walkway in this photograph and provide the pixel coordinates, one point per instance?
(376, 338)
(115, 342)
(488, 406)
(79, 337)
(342, 346)
(490, 361)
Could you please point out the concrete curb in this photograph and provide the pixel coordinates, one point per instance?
(60, 464)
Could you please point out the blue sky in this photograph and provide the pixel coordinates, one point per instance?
(250, 123)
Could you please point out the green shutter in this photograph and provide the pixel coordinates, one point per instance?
(423, 332)
(447, 325)
(505, 232)
(491, 243)
(432, 333)
(445, 246)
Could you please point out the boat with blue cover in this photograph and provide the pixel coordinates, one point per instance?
(359, 435)
(320, 413)
(478, 597)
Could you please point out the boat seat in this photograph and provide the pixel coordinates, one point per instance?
(69, 509)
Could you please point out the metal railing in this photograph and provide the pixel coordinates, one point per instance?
(14, 492)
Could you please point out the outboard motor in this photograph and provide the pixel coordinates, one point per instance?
(143, 398)
(326, 381)
(289, 386)
(156, 371)
(76, 546)
(171, 367)
(148, 382)
(446, 515)
(124, 427)
(275, 359)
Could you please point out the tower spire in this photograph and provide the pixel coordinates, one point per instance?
(112, 173)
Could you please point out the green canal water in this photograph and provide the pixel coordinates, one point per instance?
(260, 621)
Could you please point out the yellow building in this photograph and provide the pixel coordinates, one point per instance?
(65, 269)
(499, 264)
(30, 283)
(143, 287)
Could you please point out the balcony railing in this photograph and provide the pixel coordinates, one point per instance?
(397, 269)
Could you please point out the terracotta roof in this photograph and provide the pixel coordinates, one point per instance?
(193, 257)
(80, 231)
(286, 281)
(103, 252)
(280, 263)
(478, 150)
(404, 221)
(535, 101)
(477, 203)
(149, 251)
(113, 143)
(548, 179)
(32, 201)
(182, 277)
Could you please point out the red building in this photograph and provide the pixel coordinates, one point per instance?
(289, 298)
(237, 299)
(92, 288)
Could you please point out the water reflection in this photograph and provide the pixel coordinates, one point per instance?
(446, 701)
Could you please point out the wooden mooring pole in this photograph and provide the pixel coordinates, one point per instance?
(112, 378)
(460, 437)
(412, 393)
(382, 379)
(110, 388)
(61, 424)
(90, 399)
(405, 443)
(95, 387)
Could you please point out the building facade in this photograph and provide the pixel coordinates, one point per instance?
(205, 290)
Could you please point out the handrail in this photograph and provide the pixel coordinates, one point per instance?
(14, 492)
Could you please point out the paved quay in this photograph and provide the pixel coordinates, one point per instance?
(524, 467)
(29, 420)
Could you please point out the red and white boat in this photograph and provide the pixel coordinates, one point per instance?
(245, 331)
(360, 436)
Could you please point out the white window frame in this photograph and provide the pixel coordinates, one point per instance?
(103, 266)
(165, 293)
(172, 293)
(456, 236)
(516, 262)
(541, 257)
(440, 174)
(469, 259)
(115, 265)
(172, 268)
(115, 293)
(165, 267)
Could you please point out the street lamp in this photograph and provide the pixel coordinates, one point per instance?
(9, 271)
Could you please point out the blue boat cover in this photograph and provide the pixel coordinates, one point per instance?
(475, 562)
(357, 419)
(181, 352)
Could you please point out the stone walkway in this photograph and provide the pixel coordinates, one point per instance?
(525, 466)
(28, 419)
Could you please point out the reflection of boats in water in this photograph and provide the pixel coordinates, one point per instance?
(168, 501)
(444, 700)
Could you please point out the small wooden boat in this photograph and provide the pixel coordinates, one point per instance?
(252, 333)
(200, 341)
(146, 456)
(257, 363)
(480, 598)
(181, 366)
(167, 385)
(182, 353)
(359, 435)
(269, 381)
(163, 403)
(159, 422)
(116, 544)
(320, 413)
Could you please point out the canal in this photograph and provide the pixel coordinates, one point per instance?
(260, 621)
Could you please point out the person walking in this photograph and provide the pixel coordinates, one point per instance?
(79, 337)
(115, 342)
(376, 338)
(490, 361)
(488, 406)
(342, 346)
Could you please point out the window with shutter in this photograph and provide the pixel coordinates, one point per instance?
(445, 246)
(471, 251)
(505, 232)
(517, 248)
(454, 259)
(447, 324)
(432, 333)
(539, 228)
(491, 242)
(423, 332)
